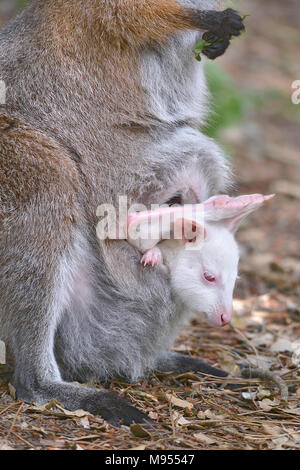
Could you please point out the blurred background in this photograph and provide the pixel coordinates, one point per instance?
(254, 119)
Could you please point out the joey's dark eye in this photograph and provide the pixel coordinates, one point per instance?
(176, 200)
(209, 277)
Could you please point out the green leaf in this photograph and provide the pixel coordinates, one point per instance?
(200, 46)
(245, 16)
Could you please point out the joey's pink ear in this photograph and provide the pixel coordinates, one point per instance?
(231, 211)
(146, 229)
(188, 230)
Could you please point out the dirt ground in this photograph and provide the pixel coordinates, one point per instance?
(193, 413)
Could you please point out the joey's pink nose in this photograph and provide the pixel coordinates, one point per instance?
(226, 318)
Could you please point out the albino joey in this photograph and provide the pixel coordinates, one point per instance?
(201, 255)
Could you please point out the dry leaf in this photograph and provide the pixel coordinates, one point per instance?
(179, 419)
(267, 404)
(263, 393)
(201, 437)
(280, 440)
(138, 431)
(74, 414)
(296, 438)
(178, 402)
(54, 407)
(153, 415)
(282, 345)
(182, 421)
(85, 422)
(272, 429)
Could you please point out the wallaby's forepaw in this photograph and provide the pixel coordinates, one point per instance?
(230, 24)
(152, 257)
(217, 47)
(114, 409)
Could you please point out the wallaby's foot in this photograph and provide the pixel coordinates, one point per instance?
(174, 362)
(113, 408)
(107, 404)
(229, 23)
(152, 257)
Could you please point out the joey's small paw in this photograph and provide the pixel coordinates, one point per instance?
(152, 257)
(114, 409)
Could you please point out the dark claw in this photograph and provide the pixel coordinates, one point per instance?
(209, 36)
(237, 28)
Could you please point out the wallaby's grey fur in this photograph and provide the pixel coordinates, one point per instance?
(100, 103)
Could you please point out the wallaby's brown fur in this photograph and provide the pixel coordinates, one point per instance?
(121, 23)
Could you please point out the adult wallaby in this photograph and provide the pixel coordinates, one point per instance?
(103, 98)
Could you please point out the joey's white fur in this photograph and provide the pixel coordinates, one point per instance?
(218, 254)
(203, 263)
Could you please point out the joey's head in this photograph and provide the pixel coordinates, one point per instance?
(204, 268)
(204, 272)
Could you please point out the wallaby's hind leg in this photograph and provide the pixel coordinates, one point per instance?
(178, 363)
(40, 221)
(36, 293)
